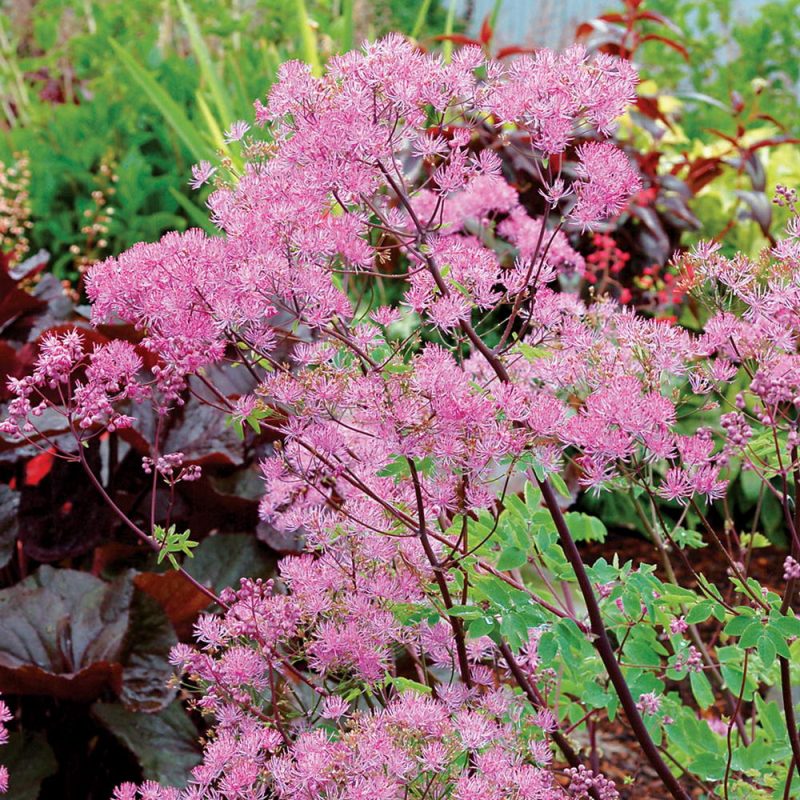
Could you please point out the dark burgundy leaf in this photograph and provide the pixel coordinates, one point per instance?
(221, 560)
(703, 171)
(675, 209)
(648, 106)
(165, 743)
(677, 46)
(505, 52)
(242, 484)
(30, 266)
(600, 35)
(29, 760)
(230, 380)
(62, 634)
(81, 686)
(612, 16)
(15, 302)
(61, 513)
(486, 30)
(283, 542)
(52, 425)
(38, 467)
(760, 209)
(654, 239)
(176, 596)
(197, 430)
(70, 635)
(649, 124)
(732, 139)
(9, 367)
(674, 185)
(9, 505)
(657, 250)
(457, 38)
(648, 163)
(772, 141)
(654, 16)
(769, 118)
(148, 641)
(755, 171)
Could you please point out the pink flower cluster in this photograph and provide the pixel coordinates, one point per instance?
(88, 388)
(398, 423)
(5, 716)
(584, 784)
(171, 468)
(414, 743)
(335, 179)
(331, 628)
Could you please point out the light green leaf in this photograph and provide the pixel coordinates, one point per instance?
(701, 689)
(512, 558)
(206, 64)
(173, 114)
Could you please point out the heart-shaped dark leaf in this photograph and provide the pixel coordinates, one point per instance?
(283, 542)
(222, 560)
(9, 505)
(179, 599)
(15, 302)
(201, 434)
(760, 208)
(61, 513)
(61, 633)
(70, 635)
(149, 639)
(165, 743)
(29, 760)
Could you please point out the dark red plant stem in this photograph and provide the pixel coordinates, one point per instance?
(456, 623)
(478, 343)
(148, 540)
(606, 650)
(602, 642)
(788, 594)
(535, 700)
(729, 738)
(788, 788)
(788, 709)
(521, 296)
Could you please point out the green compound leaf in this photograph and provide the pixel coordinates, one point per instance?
(701, 689)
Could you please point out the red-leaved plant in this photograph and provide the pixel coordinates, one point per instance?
(441, 636)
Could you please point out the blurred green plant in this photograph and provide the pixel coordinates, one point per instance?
(729, 135)
(762, 41)
(87, 85)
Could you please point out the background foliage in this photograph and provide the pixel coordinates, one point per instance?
(111, 108)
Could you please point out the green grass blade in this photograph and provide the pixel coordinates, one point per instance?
(196, 215)
(308, 38)
(449, 25)
(208, 69)
(272, 63)
(498, 4)
(214, 131)
(216, 134)
(347, 25)
(243, 98)
(173, 114)
(422, 15)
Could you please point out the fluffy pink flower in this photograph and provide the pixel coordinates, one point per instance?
(236, 131)
(607, 181)
(201, 173)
